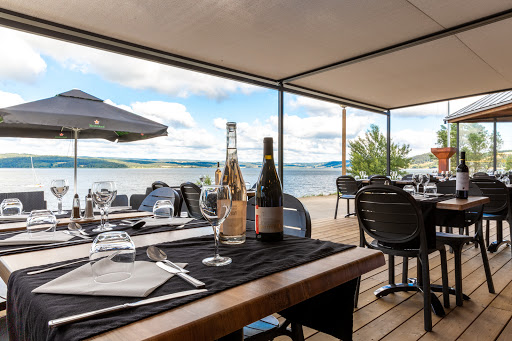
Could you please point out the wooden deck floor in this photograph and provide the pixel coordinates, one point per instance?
(400, 317)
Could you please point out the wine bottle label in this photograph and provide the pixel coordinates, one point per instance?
(234, 225)
(269, 219)
(462, 182)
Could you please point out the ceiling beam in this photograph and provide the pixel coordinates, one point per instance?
(405, 45)
(58, 31)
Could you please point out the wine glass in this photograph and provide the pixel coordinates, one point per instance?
(59, 188)
(426, 180)
(103, 193)
(201, 179)
(107, 209)
(215, 205)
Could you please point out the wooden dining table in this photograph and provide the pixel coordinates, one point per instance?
(227, 311)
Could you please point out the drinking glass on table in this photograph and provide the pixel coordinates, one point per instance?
(41, 223)
(107, 209)
(11, 206)
(103, 193)
(410, 189)
(426, 180)
(430, 189)
(112, 257)
(215, 205)
(163, 209)
(59, 188)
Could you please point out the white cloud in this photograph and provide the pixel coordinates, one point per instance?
(8, 99)
(421, 111)
(127, 71)
(174, 114)
(19, 61)
(420, 141)
(220, 123)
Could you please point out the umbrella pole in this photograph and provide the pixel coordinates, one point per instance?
(76, 152)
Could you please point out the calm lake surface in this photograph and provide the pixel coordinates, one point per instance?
(298, 182)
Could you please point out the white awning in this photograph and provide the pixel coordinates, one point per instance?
(386, 54)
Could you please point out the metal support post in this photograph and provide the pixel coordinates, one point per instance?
(494, 145)
(280, 132)
(388, 147)
(458, 144)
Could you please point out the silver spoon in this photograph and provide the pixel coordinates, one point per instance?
(158, 255)
(73, 226)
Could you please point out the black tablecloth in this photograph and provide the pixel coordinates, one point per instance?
(88, 227)
(28, 314)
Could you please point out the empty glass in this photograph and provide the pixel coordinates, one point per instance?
(41, 224)
(112, 257)
(163, 209)
(215, 204)
(11, 206)
(409, 189)
(430, 189)
(59, 188)
(103, 193)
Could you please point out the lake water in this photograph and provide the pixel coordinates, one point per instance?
(298, 182)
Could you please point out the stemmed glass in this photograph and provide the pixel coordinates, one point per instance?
(426, 178)
(59, 188)
(215, 205)
(419, 180)
(103, 193)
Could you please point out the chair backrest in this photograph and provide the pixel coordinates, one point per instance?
(481, 175)
(190, 193)
(380, 180)
(161, 194)
(389, 214)
(346, 185)
(448, 187)
(136, 200)
(158, 184)
(296, 218)
(30, 200)
(407, 177)
(497, 192)
(120, 200)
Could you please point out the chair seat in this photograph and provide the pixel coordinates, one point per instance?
(489, 216)
(259, 330)
(400, 252)
(348, 196)
(451, 238)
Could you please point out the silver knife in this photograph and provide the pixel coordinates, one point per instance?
(195, 282)
(70, 319)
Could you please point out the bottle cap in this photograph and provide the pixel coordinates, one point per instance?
(268, 140)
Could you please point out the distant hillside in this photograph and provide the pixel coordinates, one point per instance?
(52, 161)
(426, 160)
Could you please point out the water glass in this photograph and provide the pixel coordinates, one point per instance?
(103, 193)
(112, 257)
(430, 189)
(410, 189)
(41, 224)
(11, 206)
(59, 188)
(163, 209)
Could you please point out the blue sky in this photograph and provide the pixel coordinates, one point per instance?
(194, 106)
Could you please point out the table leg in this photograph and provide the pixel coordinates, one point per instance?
(494, 246)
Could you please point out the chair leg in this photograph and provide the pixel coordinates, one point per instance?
(336, 211)
(356, 297)
(444, 274)
(457, 250)
(487, 233)
(348, 206)
(405, 270)
(391, 269)
(427, 314)
(487, 268)
(297, 332)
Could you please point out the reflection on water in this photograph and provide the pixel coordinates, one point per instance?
(299, 182)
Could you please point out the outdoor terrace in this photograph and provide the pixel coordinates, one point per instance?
(399, 316)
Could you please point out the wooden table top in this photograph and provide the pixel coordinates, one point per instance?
(227, 311)
(64, 221)
(462, 204)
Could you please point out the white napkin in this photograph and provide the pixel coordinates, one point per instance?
(20, 217)
(174, 221)
(42, 238)
(145, 278)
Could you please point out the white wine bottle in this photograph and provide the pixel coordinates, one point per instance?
(218, 174)
(462, 179)
(232, 230)
(269, 198)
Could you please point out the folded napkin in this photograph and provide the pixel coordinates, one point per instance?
(174, 221)
(42, 238)
(145, 278)
(17, 217)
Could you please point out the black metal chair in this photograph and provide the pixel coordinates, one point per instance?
(407, 177)
(481, 175)
(346, 189)
(158, 184)
(297, 222)
(379, 180)
(30, 200)
(457, 241)
(161, 194)
(190, 193)
(120, 200)
(498, 209)
(394, 220)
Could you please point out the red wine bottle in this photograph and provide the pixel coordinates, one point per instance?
(269, 198)
(462, 180)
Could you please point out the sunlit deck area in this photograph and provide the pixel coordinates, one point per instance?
(399, 316)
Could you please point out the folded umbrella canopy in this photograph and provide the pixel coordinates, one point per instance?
(76, 114)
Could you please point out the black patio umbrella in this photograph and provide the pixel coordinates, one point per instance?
(76, 114)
